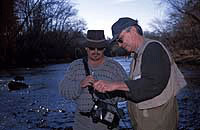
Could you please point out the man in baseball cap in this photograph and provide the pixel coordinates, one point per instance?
(154, 79)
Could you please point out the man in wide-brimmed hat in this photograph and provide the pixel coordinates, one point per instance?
(95, 46)
(76, 81)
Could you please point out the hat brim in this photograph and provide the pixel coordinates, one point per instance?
(96, 44)
(114, 38)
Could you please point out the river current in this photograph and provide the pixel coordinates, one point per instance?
(41, 107)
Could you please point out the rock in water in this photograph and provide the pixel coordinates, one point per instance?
(17, 84)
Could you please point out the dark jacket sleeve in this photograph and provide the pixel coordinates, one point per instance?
(155, 73)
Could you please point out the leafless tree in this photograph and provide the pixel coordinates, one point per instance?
(38, 25)
(7, 30)
(182, 25)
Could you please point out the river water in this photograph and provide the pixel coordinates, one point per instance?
(41, 107)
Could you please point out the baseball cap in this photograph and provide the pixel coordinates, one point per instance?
(122, 24)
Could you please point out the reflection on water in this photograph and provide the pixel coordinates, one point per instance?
(41, 107)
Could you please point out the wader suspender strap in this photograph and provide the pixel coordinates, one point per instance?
(87, 72)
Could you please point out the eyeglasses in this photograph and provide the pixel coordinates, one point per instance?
(119, 40)
(99, 49)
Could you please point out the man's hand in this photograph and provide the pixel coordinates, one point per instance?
(88, 81)
(103, 86)
(107, 86)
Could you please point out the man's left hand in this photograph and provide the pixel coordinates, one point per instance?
(103, 86)
(108, 86)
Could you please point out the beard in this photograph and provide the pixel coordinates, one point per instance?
(95, 56)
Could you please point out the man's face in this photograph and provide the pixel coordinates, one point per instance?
(127, 39)
(95, 54)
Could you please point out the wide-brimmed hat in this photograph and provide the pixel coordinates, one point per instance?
(122, 24)
(96, 39)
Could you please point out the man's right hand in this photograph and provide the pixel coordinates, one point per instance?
(88, 81)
